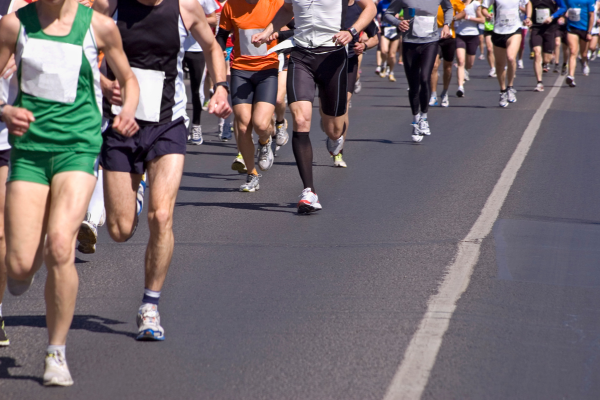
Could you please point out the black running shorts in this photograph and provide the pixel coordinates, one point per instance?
(352, 73)
(544, 37)
(447, 49)
(131, 154)
(579, 32)
(469, 43)
(322, 67)
(249, 87)
(501, 40)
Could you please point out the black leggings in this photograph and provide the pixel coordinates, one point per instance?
(419, 59)
(195, 63)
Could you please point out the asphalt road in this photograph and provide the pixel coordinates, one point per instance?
(261, 303)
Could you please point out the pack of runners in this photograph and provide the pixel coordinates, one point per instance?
(93, 108)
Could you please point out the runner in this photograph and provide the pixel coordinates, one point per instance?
(318, 58)
(543, 16)
(467, 33)
(488, 30)
(420, 48)
(389, 42)
(507, 41)
(153, 33)
(254, 81)
(447, 53)
(524, 30)
(593, 48)
(54, 156)
(281, 135)
(580, 22)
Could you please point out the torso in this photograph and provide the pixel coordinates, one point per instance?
(318, 21)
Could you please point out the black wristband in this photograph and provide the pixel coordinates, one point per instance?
(224, 84)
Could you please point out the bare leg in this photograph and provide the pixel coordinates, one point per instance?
(537, 62)
(573, 41)
(3, 176)
(120, 190)
(512, 48)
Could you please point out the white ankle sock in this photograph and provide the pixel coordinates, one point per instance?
(52, 348)
(423, 115)
(416, 118)
(0, 310)
(434, 94)
(96, 207)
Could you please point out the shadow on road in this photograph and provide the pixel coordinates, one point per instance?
(289, 208)
(91, 323)
(225, 177)
(205, 189)
(9, 362)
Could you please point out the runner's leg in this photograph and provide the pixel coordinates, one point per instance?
(120, 191)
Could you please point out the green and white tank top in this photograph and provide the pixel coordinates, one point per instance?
(59, 82)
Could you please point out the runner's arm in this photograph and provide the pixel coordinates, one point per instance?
(281, 19)
(562, 9)
(591, 21)
(110, 89)
(212, 20)
(110, 43)
(194, 19)
(391, 18)
(366, 16)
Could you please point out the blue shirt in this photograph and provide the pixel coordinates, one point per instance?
(578, 13)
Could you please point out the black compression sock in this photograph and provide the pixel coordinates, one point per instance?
(303, 154)
(279, 122)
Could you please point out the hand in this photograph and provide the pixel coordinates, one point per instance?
(445, 32)
(528, 22)
(258, 39)
(490, 17)
(342, 38)
(17, 119)
(10, 68)
(404, 25)
(218, 104)
(360, 48)
(548, 20)
(125, 124)
(588, 37)
(112, 91)
(274, 36)
(561, 21)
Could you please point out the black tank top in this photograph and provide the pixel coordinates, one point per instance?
(152, 40)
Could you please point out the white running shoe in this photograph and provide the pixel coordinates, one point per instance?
(417, 136)
(460, 92)
(571, 81)
(377, 70)
(252, 184)
(87, 236)
(520, 64)
(503, 99)
(309, 202)
(539, 87)
(586, 69)
(196, 135)
(391, 77)
(57, 372)
(140, 195)
(339, 162)
(281, 134)
(512, 98)
(265, 155)
(148, 322)
(357, 86)
(424, 127)
(335, 146)
(467, 75)
(492, 73)
(481, 57)
(445, 102)
(433, 101)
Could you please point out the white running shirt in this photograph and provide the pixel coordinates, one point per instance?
(506, 15)
(190, 44)
(317, 21)
(468, 28)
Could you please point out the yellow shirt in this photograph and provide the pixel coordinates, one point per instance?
(458, 7)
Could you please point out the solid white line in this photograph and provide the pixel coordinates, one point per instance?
(420, 356)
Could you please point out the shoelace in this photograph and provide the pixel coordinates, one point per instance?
(58, 358)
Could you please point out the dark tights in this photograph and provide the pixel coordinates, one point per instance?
(303, 153)
(195, 63)
(419, 59)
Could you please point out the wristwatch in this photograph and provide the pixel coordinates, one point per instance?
(224, 84)
(2, 111)
(353, 31)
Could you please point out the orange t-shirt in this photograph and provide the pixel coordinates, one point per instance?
(244, 20)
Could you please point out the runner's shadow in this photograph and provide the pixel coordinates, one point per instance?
(224, 177)
(280, 207)
(90, 323)
(208, 153)
(205, 189)
(9, 362)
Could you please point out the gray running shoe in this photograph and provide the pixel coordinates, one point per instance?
(335, 146)
(417, 136)
(503, 99)
(512, 98)
(57, 372)
(281, 134)
(148, 322)
(424, 127)
(196, 135)
(252, 183)
(227, 132)
(265, 156)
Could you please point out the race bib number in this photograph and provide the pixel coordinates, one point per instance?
(390, 32)
(574, 14)
(541, 14)
(151, 92)
(50, 70)
(246, 46)
(424, 26)
(507, 18)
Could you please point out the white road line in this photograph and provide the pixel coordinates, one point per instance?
(413, 373)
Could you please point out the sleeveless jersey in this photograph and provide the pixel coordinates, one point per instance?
(59, 82)
(9, 86)
(153, 38)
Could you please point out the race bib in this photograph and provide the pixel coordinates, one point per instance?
(50, 70)
(423, 26)
(151, 92)
(246, 46)
(390, 32)
(574, 14)
(541, 14)
(507, 18)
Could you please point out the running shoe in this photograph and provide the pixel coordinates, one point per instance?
(227, 132)
(492, 73)
(545, 68)
(239, 165)
(467, 75)
(265, 155)
(338, 161)
(3, 337)
(335, 146)
(205, 105)
(520, 64)
(281, 134)
(57, 371)
(196, 135)
(417, 136)
(593, 56)
(531, 56)
(357, 86)
(221, 124)
(148, 322)
(17, 287)
(140, 195)
(87, 236)
(512, 95)
(384, 73)
(378, 70)
(481, 57)
(391, 77)
(563, 70)
(556, 68)
(309, 202)
(445, 101)
(539, 87)
(503, 99)
(586, 69)
(252, 183)
(571, 81)
(460, 92)
(424, 127)
(433, 101)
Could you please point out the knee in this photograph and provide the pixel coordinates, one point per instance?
(120, 231)
(18, 266)
(263, 126)
(160, 220)
(59, 248)
(511, 59)
(302, 124)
